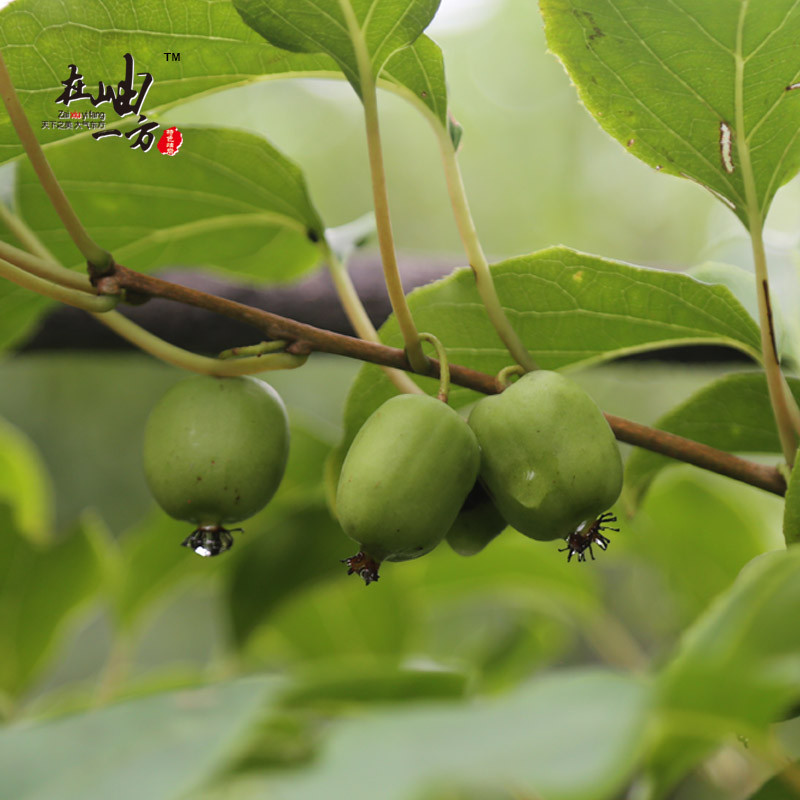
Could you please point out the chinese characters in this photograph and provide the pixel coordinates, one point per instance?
(126, 99)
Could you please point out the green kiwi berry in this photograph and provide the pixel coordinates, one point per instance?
(404, 479)
(215, 451)
(549, 459)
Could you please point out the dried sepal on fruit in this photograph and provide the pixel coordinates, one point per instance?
(587, 534)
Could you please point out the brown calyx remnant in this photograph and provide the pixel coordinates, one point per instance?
(364, 565)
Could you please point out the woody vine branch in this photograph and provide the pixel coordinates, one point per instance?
(305, 339)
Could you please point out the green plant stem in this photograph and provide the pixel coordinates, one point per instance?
(356, 313)
(383, 221)
(504, 376)
(177, 356)
(72, 297)
(380, 196)
(787, 414)
(99, 259)
(444, 366)
(27, 238)
(477, 259)
(306, 338)
(47, 270)
(260, 349)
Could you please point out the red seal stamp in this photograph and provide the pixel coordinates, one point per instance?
(170, 142)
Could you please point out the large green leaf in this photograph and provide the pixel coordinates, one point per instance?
(570, 309)
(162, 747)
(228, 199)
(40, 588)
(25, 484)
(40, 40)
(736, 670)
(567, 736)
(297, 550)
(791, 514)
(698, 531)
(339, 620)
(781, 787)
(732, 413)
(357, 34)
(699, 89)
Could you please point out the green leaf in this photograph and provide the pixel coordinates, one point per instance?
(19, 310)
(698, 532)
(570, 309)
(358, 34)
(417, 73)
(278, 562)
(39, 41)
(337, 620)
(791, 514)
(732, 413)
(337, 687)
(162, 747)
(566, 736)
(228, 200)
(780, 787)
(151, 563)
(40, 588)
(699, 90)
(737, 666)
(25, 484)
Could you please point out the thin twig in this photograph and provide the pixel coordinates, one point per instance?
(306, 338)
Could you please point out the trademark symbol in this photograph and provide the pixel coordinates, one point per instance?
(172, 56)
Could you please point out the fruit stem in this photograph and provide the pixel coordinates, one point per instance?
(48, 270)
(177, 356)
(99, 259)
(357, 314)
(784, 407)
(477, 259)
(380, 196)
(71, 297)
(260, 349)
(787, 414)
(444, 366)
(504, 376)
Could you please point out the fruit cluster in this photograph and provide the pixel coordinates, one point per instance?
(539, 457)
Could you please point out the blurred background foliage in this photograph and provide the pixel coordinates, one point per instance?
(98, 602)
